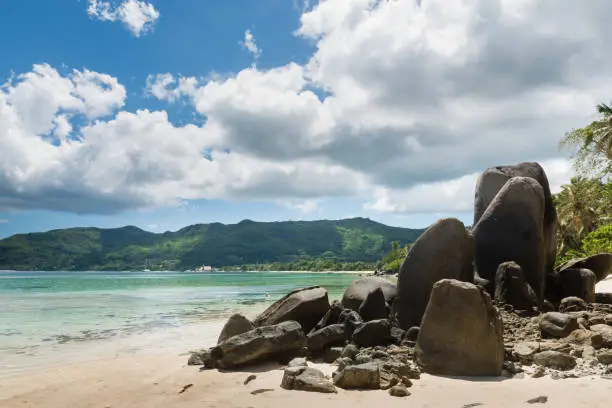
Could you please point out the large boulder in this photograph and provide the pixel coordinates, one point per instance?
(461, 333)
(511, 229)
(491, 182)
(374, 306)
(512, 288)
(444, 250)
(358, 291)
(236, 324)
(260, 343)
(600, 265)
(306, 306)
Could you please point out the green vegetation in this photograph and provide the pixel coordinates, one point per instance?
(393, 260)
(584, 206)
(351, 244)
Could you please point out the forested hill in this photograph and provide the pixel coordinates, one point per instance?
(219, 245)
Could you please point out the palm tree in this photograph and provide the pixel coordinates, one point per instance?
(594, 143)
(582, 206)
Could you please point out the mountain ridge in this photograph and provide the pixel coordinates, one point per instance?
(220, 245)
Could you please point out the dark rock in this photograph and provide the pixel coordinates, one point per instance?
(512, 288)
(361, 376)
(538, 400)
(399, 391)
(374, 306)
(558, 324)
(330, 317)
(350, 351)
(351, 320)
(202, 358)
(600, 265)
(511, 229)
(306, 306)
(259, 344)
(606, 334)
(373, 333)
(494, 179)
(572, 304)
(249, 379)
(603, 298)
(444, 250)
(236, 324)
(412, 334)
(397, 335)
(577, 282)
(333, 335)
(261, 391)
(605, 357)
(555, 360)
(358, 291)
(332, 354)
(306, 379)
(474, 346)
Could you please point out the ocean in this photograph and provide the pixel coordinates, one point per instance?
(53, 318)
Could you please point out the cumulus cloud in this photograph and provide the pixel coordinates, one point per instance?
(138, 16)
(402, 104)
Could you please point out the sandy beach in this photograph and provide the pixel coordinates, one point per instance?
(156, 380)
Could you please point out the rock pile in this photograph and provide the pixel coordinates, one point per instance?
(485, 302)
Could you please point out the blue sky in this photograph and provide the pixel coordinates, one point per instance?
(166, 113)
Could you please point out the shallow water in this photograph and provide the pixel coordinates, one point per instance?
(48, 317)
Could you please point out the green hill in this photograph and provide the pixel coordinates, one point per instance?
(219, 245)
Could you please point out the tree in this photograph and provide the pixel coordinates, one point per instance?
(593, 143)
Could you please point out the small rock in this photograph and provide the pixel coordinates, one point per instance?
(412, 333)
(525, 351)
(555, 360)
(298, 362)
(558, 324)
(350, 351)
(399, 391)
(538, 400)
(605, 357)
(606, 334)
(363, 376)
(261, 391)
(306, 379)
(332, 335)
(539, 372)
(344, 362)
(397, 335)
(249, 379)
(572, 304)
(363, 357)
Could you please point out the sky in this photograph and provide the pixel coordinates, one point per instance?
(166, 113)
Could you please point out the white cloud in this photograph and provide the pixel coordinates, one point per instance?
(305, 207)
(138, 16)
(419, 97)
(4, 221)
(250, 44)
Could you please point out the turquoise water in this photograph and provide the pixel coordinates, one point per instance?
(44, 313)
